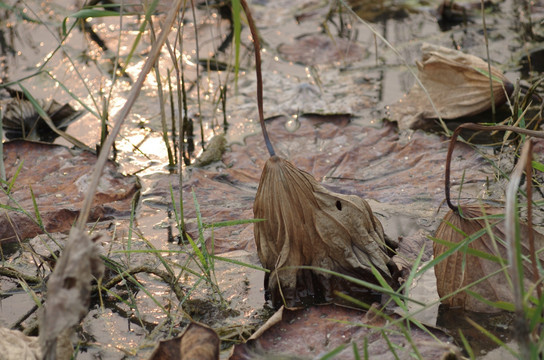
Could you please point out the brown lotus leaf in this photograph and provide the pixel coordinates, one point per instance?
(457, 83)
(315, 331)
(21, 120)
(450, 274)
(197, 342)
(307, 224)
(59, 178)
(314, 49)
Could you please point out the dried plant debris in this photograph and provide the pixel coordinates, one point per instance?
(318, 330)
(451, 13)
(198, 342)
(14, 345)
(488, 257)
(68, 291)
(458, 85)
(55, 179)
(21, 120)
(214, 151)
(307, 224)
(315, 49)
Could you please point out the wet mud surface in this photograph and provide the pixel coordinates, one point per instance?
(327, 113)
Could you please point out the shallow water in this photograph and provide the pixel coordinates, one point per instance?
(363, 88)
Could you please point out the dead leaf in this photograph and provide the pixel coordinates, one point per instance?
(307, 224)
(68, 292)
(14, 345)
(457, 83)
(452, 275)
(198, 342)
(402, 171)
(314, 49)
(21, 120)
(312, 332)
(59, 178)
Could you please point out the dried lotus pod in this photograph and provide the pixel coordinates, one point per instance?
(308, 225)
(461, 269)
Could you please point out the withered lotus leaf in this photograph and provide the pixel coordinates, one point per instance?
(311, 332)
(197, 342)
(450, 273)
(308, 225)
(458, 84)
(21, 120)
(316, 49)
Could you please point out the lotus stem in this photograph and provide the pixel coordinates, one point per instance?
(472, 126)
(258, 72)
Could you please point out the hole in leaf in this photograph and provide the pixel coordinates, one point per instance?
(338, 205)
(69, 282)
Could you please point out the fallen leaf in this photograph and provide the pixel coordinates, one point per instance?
(308, 225)
(22, 121)
(14, 345)
(457, 83)
(198, 342)
(59, 178)
(68, 292)
(312, 332)
(461, 269)
(314, 49)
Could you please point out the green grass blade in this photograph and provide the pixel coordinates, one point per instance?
(96, 13)
(390, 345)
(202, 241)
(241, 263)
(538, 166)
(360, 282)
(15, 176)
(50, 123)
(496, 304)
(492, 337)
(231, 223)
(72, 95)
(356, 355)
(449, 252)
(471, 251)
(36, 210)
(466, 345)
(331, 354)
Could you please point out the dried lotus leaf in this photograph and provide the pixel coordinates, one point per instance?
(21, 120)
(452, 275)
(308, 225)
(197, 342)
(458, 85)
(316, 49)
